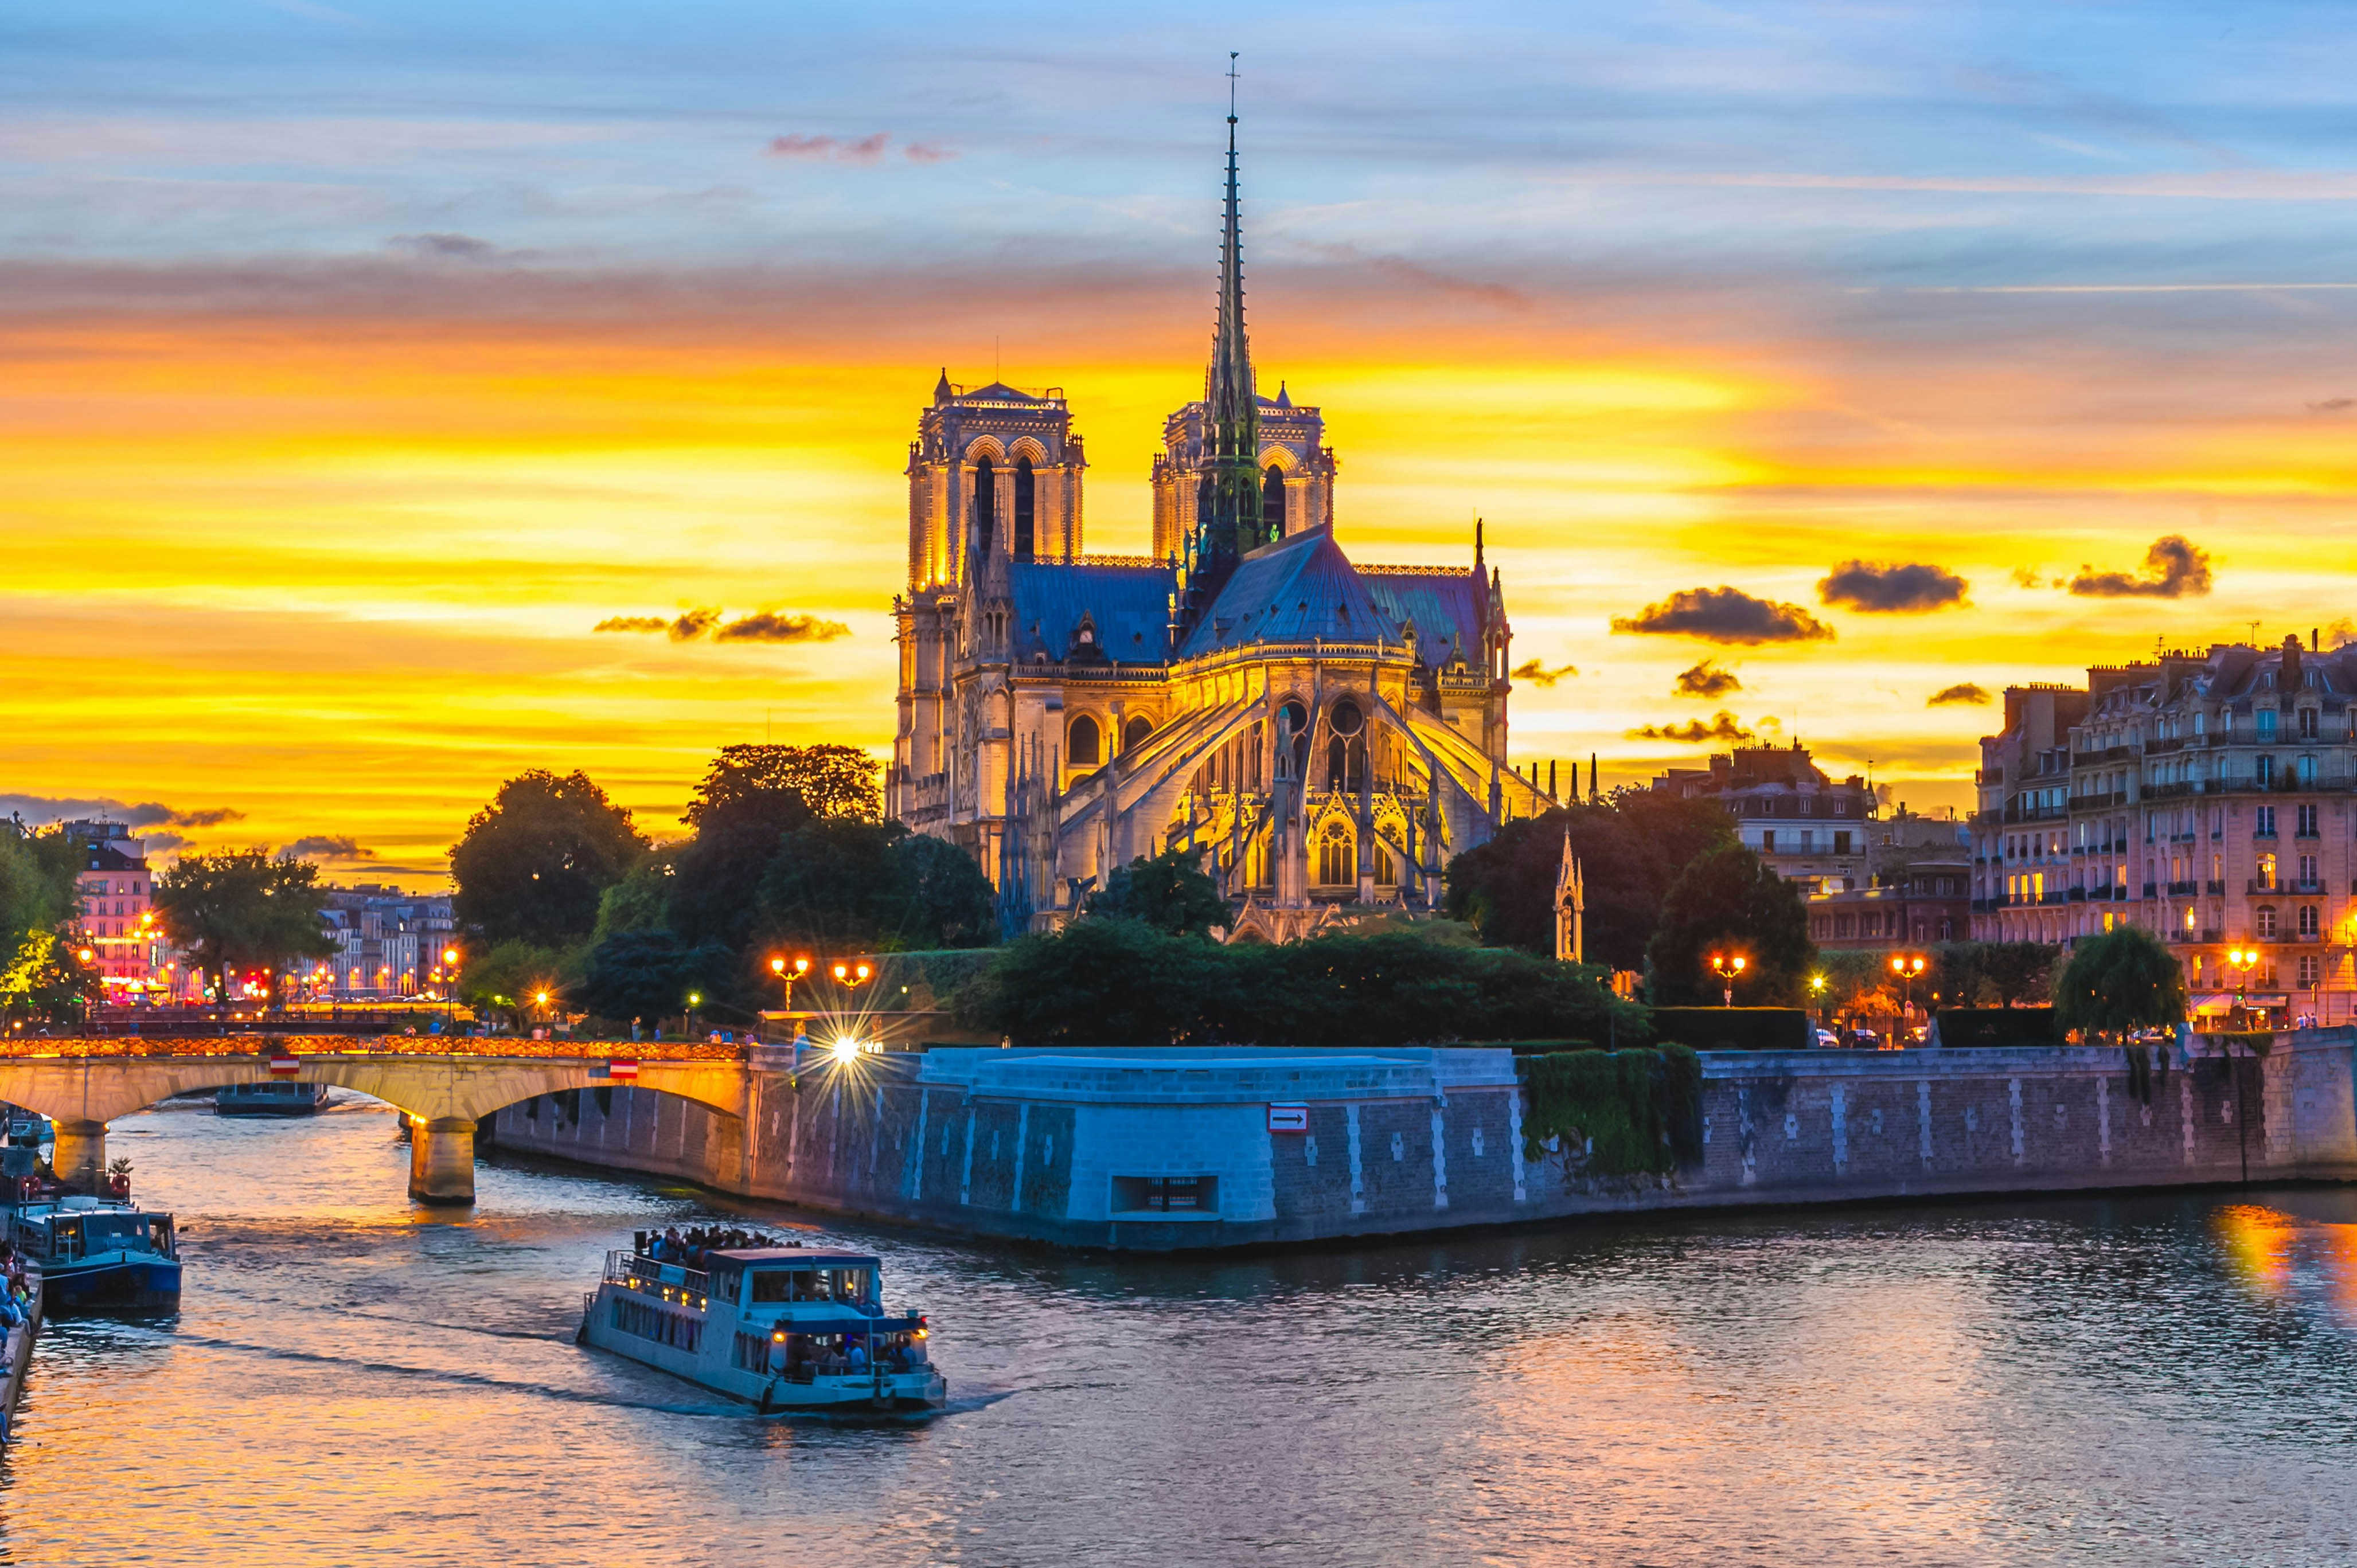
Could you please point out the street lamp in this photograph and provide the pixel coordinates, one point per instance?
(450, 986)
(1907, 967)
(1726, 966)
(2241, 960)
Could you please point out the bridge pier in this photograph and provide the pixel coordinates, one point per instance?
(441, 1159)
(79, 1155)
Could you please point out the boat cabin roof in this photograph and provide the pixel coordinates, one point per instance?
(814, 1257)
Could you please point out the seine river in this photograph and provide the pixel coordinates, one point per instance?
(351, 1379)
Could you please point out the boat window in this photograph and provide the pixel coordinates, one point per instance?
(775, 1285)
(849, 1285)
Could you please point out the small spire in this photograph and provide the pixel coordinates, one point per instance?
(1476, 544)
(941, 393)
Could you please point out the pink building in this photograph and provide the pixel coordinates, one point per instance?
(118, 917)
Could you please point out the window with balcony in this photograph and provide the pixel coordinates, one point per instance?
(2308, 921)
(2308, 822)
(2265, 919)
(2307, 772)
(2262, 821)
(2266, 720)
(2308, 869)
(2308, 724)
(2311, 971)
(2265, 878)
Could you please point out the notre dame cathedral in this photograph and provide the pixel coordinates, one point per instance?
(1323, 735)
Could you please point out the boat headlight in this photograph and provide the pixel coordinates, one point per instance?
(780, 1337)
(923, 1333)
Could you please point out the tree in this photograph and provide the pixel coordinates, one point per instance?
(507, 978)
(842, 886)
(1102, 982)
(648, 973)
(1631, 849)
(829, 780)
(38, 902)
(2022, 973)
(241, 909)
(2119, 982)
(1169, 892)
(1729, 900)
(640, 902)
(533, 864)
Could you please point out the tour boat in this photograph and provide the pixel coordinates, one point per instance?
(25, 1128)
(99, 1252)
(782, 1328)
(281, 1098)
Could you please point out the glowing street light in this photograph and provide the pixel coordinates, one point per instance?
(1726, 966)
(1907, 967)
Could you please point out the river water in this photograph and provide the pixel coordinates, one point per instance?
(2170, 1379)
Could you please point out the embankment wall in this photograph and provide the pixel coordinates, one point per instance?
(1081, 1148)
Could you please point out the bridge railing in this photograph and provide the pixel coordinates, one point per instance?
(18, 1044)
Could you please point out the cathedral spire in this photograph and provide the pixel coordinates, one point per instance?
(1228, 504)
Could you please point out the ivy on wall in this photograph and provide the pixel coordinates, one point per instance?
(1616, 1112)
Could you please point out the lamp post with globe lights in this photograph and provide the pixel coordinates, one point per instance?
(1909, 968)
(1726, 966)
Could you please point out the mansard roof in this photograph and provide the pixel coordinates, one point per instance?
(1128, 606)
(1300, 588)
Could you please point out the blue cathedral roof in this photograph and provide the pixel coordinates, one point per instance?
(1299, 587)
(1445, 607)
(1130, 606)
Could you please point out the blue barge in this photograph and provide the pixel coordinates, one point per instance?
(99, 1252)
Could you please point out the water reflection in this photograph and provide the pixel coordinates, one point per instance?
(2156, 1380)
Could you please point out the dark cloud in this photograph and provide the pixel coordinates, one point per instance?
(159, 843)
(1536, 672)
(631, 623)
(1707, 679)
(1891, 588)
(2333, 405)
(831, 149)
(693, 625)
(2173, 568)
(1963, 694)
(1726, 615)
(444, 247)
(1723, 725)
(770, 627)
(326, 846)
(2028, 577)
(39, 810)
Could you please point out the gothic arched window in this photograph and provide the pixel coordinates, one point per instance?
(986, 505)
(1337, 859)
(1086, 747)
(1133, 734)
(1272, 503)
(1024, 491)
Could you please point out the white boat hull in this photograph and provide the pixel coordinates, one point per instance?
(699, 1346)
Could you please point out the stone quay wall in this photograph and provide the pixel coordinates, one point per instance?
(1081, 1147)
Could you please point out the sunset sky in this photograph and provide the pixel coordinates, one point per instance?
(358, 359)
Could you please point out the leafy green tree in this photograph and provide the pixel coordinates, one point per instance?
(2119, 982)
(533, 864)
(828, 782)
(242, 909)
(1103, 983)
(1729, 900)
(1631, 849)
(2022, 973)
(839, 886)
(505, 978)
(646, 974)
(1169, 892)
(38, 901)
(640, 902)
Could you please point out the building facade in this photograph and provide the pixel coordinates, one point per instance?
(117, 915)
(1324, 734)
(1917, 890)
(1807, 828)
(389, 943)
(2210, 798)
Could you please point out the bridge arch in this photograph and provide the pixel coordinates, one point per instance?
(443, 1095)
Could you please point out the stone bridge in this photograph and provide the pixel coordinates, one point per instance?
(443, 1087)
